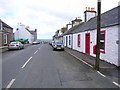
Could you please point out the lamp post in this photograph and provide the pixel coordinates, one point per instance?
(98, 35)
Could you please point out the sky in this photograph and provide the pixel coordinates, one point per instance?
(47, 16)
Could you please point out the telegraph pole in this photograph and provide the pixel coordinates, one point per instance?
(98, 35)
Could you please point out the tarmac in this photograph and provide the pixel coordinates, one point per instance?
(106, 69)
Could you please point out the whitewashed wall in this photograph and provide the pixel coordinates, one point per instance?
(111, 47)
(119, 44)
(68, 45)
(23, 33)
(82, 42)
(64, 40)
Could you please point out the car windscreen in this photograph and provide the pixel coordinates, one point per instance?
(14, 43)
(59, 42)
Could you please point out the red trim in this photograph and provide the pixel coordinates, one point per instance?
(101, 50)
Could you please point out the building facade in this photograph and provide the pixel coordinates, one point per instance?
(23, 32)
(84, 36)
(6, 34)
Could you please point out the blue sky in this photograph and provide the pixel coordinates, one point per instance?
(47, 15)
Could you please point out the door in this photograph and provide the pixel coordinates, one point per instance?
(87, 43)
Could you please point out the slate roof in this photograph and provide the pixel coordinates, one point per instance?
(71, 30)
(5, 25)
(109, 18)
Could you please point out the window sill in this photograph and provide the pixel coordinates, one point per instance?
(102, 51)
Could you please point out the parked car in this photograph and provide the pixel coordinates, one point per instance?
(35, 42)
(58, 45)
(15, 45)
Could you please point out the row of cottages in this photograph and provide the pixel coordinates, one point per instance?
(6, 34)
(23, 32)
(82, 37)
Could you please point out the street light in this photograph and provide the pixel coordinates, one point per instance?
(98, 35)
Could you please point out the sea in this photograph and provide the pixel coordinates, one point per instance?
(45, 40)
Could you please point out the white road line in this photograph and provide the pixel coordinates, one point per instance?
(40, 47)
(35, 52)
(11, 83)
(101, 74)
(26, 62)
(116, 84)
(81, 60)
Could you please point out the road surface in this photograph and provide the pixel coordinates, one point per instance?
(38, 66)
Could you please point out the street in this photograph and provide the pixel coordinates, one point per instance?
(38, 66)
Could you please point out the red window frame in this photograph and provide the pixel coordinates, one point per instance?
(78, 40)
(103, 50)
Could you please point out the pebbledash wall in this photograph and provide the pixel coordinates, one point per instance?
(111, 46)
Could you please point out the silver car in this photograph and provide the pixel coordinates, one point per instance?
(58, 45)
(15, 45)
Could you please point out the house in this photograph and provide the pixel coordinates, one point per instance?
(68, 35)
(84, 37)
(23, 32)
(6, 34)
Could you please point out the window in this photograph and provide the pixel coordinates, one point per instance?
(0, 25)
(78, 40)
(69, 40)
(5, 38)
(102, 41)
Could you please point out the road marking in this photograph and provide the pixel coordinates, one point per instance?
(80, 60)
(35, 52)
(101, 74)
(11, 83)
(116, 84)
(26, 62)
(40, 47)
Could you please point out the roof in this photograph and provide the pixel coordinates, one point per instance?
(109, 18)
(71, 30)
(5, 25)
(31, 32)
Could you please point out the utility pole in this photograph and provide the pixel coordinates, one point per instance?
(98, 35)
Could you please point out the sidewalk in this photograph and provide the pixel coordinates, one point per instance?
(106, 69)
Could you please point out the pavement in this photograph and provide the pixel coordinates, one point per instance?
(107, 70)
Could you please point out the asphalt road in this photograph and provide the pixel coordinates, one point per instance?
(38, 66)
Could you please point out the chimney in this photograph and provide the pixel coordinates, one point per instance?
(68, 26)
(89, 13)
(35, 30)
(77, 21)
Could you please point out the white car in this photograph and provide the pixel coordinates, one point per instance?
(35, 42)
(15, 45)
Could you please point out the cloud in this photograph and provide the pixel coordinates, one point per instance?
(46, 15)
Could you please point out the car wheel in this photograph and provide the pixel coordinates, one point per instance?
(53, 49)
(19, 48)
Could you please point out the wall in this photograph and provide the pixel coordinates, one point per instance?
(111, 47)
(23, 33)
(0, 39)
(69, 42)
(119, 35)
(82, 42)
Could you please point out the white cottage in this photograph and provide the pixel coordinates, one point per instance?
(84, 37)
(24, 33)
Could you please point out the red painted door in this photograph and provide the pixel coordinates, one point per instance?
(87, 43)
